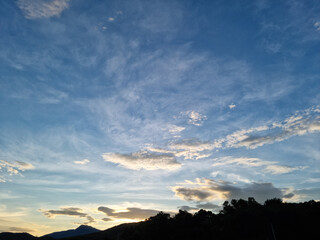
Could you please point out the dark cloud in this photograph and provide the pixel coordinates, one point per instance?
(131, 213)
(75, 212)
(187, 208)
(219, 190)
(208, 206)
(106, 210)
(106, 219)
(191, 194)
(66, 211)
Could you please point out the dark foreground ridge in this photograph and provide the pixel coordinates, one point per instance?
(21, 236)
(239, 219)
(81, 230)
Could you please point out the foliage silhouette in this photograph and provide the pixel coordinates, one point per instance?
(239, 219)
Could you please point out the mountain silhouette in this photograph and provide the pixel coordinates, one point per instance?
(81, 230)
(239, 219)
(21, 236)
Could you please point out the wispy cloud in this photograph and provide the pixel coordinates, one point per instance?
(82, 162)
(268, 166)
(42, 9)
(19, 229)
(130, 213)
(307, 121)
(210, 190)
(317, 26)
(14, 168)
(144, 160)
(193, 148)
(174, 129)
(194, 117)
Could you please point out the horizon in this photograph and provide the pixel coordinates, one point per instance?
(112, 111)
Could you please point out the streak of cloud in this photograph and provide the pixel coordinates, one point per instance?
(144, 160)
(130, 213)
(42, 9)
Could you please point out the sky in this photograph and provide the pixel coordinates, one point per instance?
(112, 111)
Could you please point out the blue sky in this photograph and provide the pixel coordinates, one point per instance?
(114, 110)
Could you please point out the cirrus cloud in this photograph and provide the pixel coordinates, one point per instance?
(144, 160)
(268, 166)
(42, 8)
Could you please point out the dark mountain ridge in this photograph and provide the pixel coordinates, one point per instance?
(21, 236)
(239, 219)
(81, 230)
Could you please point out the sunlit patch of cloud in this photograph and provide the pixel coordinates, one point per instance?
(193, 148)
(307, 121)
(232, 106)
(144, 160)
(129, 213)
(278, 169)
(42, 8)
(82, 162)
(174, 129)
(204, 190)
(14, 168)
(194, 117)
(317, 25)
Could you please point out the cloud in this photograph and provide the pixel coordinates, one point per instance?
(174, 129)
(277, 169)
(232, 106)
(69, 211)
(195, 118)
(151, 158)
(82, 162)
(317, 26)
(19, 229)
(106, 210)
(65, 211)
(193, 148)
(209, 206)
(269, 166)
(253, 162)
(144, 160)
(14, 168)
(307, 121)
(187, 208)
(42, 8)
(130, 213)
(207, 189)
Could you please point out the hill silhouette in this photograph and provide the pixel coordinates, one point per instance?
(81, 230)
(239, 219)
(21, 236)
